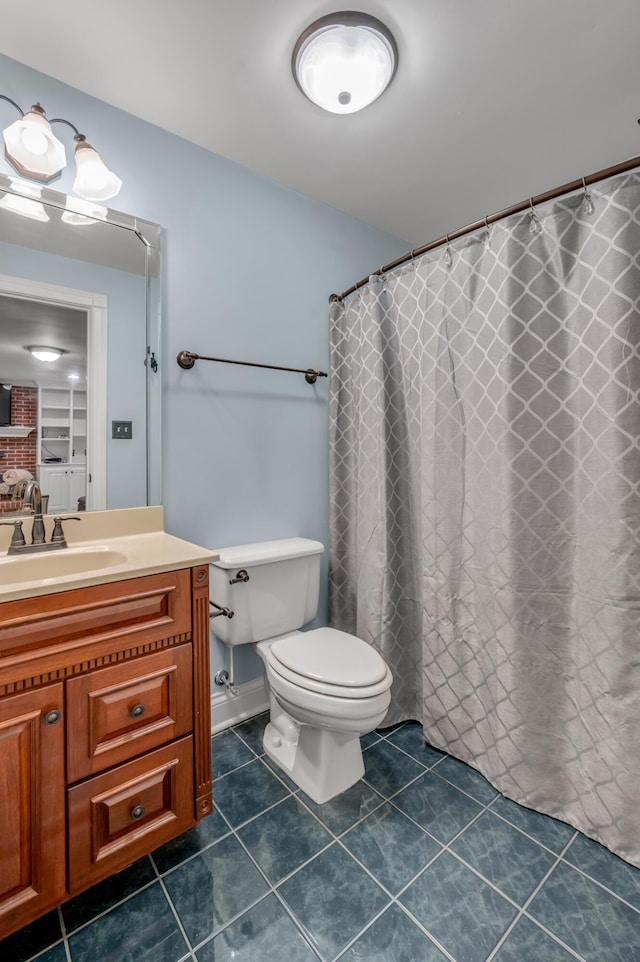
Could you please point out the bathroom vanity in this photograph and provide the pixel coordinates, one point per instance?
(105, 749)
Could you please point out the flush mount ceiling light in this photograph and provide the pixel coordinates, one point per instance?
(47, 354)
(34, 152)
(344, 61)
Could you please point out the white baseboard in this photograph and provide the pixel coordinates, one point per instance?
(228, 709)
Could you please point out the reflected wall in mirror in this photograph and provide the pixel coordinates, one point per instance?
(84, 281)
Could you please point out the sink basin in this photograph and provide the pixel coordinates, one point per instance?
(15, 569)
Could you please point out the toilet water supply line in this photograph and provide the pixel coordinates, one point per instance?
(223, 677)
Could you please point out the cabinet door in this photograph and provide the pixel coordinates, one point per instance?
(77, 487)
(32, 803)
(55, 483)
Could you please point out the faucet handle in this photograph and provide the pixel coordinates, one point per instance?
(17, 538)
(58, 534)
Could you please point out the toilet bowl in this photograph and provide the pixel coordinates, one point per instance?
(326, 687)
(319, 709)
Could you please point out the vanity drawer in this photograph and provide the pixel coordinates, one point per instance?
(95, 621)
(119, 816)
(116, 713)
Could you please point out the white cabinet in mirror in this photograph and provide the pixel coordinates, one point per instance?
(89, 288)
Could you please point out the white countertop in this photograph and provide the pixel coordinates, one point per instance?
(104, 546)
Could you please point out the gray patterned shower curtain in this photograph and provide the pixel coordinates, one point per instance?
(485, 502)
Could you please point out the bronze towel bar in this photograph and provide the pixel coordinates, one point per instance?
(186, 360)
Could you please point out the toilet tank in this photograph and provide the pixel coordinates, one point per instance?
(281, 594)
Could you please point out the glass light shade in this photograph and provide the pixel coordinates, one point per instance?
(343, 62)
(23, 205)
(81, 213)
(47, 354)
(31, 148)
(94, 180)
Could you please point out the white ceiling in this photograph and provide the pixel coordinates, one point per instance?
(25, 322)
(493, 101)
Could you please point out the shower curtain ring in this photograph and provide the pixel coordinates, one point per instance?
(587, 202)
(447, 252)
(487, 234)
(534, 223)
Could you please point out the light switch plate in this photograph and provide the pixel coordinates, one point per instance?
(122, 429)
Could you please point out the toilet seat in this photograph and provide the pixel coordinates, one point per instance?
(329, 662)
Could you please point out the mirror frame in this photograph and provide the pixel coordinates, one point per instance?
(149, 234)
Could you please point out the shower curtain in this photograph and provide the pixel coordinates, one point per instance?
(485, 503)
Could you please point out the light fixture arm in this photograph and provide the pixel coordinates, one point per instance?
(61, 120)
(13, 103)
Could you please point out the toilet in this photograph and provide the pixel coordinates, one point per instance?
(326, 687)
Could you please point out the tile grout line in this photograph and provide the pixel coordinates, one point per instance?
(273, 890)
(190, 953)
(47, 948)
(65, 940)
(592, 878)
(523, 909)
(122, 901)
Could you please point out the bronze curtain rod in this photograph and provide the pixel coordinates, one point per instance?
(583, 182)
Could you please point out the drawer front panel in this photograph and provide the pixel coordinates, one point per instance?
(142, 609)
(117, 817)
(116, 713)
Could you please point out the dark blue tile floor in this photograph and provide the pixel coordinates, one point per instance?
(421, 861)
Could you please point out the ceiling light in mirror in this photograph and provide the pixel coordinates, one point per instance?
(46, 354)
(344, 61)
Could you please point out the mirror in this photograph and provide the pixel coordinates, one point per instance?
(83, 280)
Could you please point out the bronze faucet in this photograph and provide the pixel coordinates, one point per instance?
(33, 497)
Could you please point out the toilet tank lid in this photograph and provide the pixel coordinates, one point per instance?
(265, 552)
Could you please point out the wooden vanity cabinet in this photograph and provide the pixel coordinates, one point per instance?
(105, 749)
(32, 804)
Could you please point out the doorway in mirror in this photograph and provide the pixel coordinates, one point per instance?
(70, 437)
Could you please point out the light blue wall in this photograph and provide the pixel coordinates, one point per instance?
(248, 269)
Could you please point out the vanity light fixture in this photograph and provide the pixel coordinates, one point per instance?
(344, 61)
(33, 151)
(47, 354)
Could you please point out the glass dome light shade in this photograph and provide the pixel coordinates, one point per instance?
(94, 180)
(47, 354)
(31, 148)
(344, 61)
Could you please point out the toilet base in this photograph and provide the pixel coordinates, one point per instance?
(322, 762)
